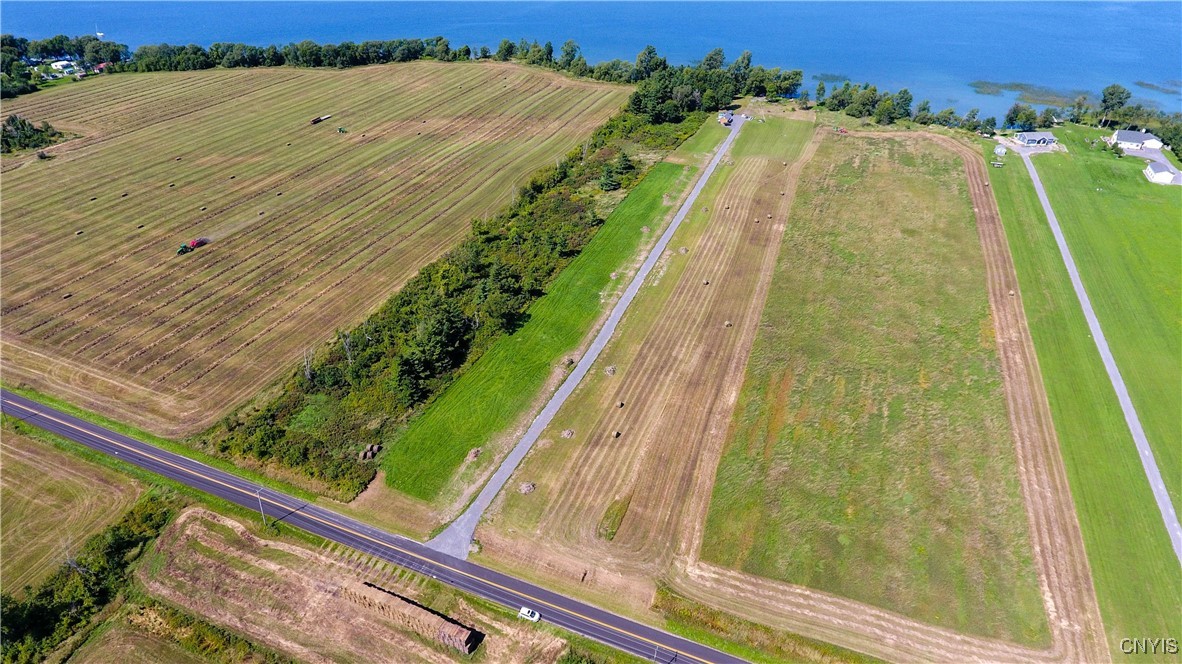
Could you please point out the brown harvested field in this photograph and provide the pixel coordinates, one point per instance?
(311, 229)
(52, 502)
(677, 359)
(296, 600)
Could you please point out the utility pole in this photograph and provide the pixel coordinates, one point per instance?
(258, 493)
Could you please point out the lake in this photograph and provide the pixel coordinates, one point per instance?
(934, 48)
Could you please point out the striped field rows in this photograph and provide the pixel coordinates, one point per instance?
(311, 228)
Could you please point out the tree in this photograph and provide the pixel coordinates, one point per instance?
(970, 122)
(713, 60)
(1047, 117)
(820, 91)
(1113, 99)
(884, 113)
(903, 104)
(989, 126)
(485, 53)
(648, 63)
(505, 51)
(570, 51)
(803, 100)
(1078, 109)
(1021, 117)
(609, 181)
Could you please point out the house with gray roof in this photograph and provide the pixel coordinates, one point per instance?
(1135, 140)
(1036, 138)
(1161, 173)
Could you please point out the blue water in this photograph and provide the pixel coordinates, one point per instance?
(934, 49)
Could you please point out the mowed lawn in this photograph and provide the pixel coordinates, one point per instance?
(312, 226)
(491, 396)
(52, 502)
(871, 455)
(1125, 234)
(1137, 579)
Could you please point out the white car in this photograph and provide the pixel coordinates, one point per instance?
(529, 614)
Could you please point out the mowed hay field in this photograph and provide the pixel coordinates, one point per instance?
(311, 229)
(1125, 235)
(631, 501)
(1118, 518)
(870, 453)
(52, 502)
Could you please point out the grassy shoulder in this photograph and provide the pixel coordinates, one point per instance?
(493, 394)
(870, 452)
(52, 503)
(1137, 580)
(749, 640)
(1124, 235)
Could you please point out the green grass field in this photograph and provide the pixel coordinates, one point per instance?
(311, 228)
(1138, 583)
(491, 396)
(52, 502)
(1125, 234)
(870, 455)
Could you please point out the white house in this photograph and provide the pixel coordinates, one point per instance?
(1135, 140)
(1159, 173)
(62, 65)
(1037, 138)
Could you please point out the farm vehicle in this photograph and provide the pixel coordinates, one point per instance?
(191, 245)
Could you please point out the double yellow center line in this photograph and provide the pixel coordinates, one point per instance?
(349, 530)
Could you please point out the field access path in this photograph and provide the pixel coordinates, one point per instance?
(643, 641)
(456, 539)
(1152, 473)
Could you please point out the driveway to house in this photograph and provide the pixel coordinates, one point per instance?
(1152, 473)
(457, 537)
(1149, 154)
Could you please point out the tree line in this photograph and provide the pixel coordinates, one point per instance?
(16, 52)
(369, 380)
(18, 133)
(32, 625)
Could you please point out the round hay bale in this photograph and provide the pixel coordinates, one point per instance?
(289, 145)
(79, 232)
(782, 193)
(178, 158)
(203, 209)
(67, 296)
(526, 488)
(683, 251)
(94, 198)
(616, 434)
(728, 324)
(619, 404)
(233, 176)
(279, 193)
(728, 207)
(568, 433)
(474, 453)
(171, 184)
(123, 195)
(769, 216)
(610, 370)
(260, 213)
(705, 282)
(1011, 292)
(140, 226)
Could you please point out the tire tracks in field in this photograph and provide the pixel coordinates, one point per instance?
(1074, 622)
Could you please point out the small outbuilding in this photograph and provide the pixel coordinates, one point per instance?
(1135, 140)
(1036, 138)
(1159, 173)
(1000, 150)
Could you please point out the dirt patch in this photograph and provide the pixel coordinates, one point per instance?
(297, 601)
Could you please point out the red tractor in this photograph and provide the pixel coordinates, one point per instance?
(190, 246)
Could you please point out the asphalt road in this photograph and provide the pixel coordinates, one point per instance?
(457, 537)
(583, 619)
(1152, 473)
